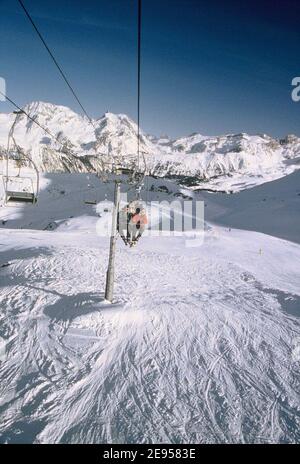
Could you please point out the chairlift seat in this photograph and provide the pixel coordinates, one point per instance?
(90, 202)
(20, 197)
(125, 170)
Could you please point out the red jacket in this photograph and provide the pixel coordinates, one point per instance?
(142, 218)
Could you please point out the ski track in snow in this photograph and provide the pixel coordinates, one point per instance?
(192, 351)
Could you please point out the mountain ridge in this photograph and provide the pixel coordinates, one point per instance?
(214, 162)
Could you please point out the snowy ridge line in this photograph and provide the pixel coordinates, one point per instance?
(229, 162)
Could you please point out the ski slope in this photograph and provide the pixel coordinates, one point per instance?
(200, 346)
(272, 208)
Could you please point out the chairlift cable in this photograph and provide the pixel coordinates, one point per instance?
(136, 177)
(76, 96)
(47, 131)
(55, 61)
(59, 68)
(31, 118)
(139, 78)
(139, 49)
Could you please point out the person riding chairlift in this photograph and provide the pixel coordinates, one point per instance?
(136, 225)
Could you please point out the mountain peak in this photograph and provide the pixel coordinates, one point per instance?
(42, 107)
(198, 156)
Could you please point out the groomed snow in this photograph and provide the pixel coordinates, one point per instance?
(199, 345)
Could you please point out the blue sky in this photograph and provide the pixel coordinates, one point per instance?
(207, 66)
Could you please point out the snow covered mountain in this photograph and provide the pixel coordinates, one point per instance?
(229, 162)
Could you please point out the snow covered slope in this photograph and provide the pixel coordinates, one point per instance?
(272, 208)
(200, 346)
(228, 162)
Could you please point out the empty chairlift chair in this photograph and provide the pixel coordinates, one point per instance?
(17, 192)
(19, 188)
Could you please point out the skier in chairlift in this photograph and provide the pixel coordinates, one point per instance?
(136, 225)
(131, 223)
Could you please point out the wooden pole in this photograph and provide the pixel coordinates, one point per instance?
(110, 274)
